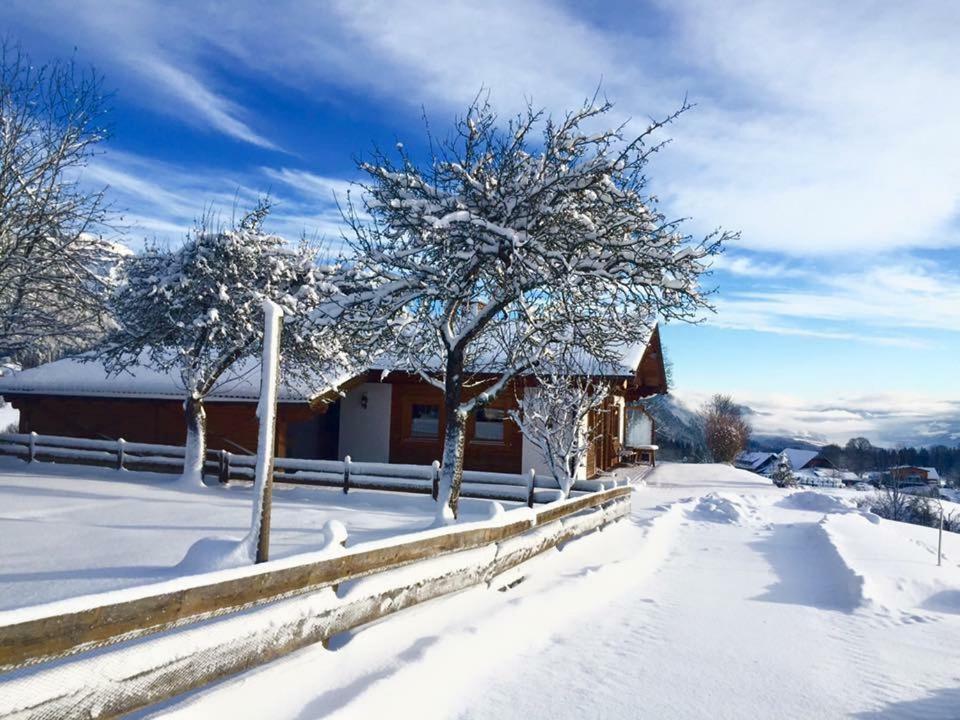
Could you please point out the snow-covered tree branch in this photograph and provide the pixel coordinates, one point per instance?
(198, 310)
(54, 266)
(554, 413)
(511, 241)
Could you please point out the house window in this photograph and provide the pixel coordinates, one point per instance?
(425, 420)
(489, 424)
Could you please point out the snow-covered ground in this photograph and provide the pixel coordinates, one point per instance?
(68, 530)
(720, 597)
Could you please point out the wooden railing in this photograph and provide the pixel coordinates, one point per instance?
(156, 642)
(119, 454)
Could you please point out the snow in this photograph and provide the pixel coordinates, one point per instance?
(722, 596)
(9, 415)
(69, 530)
(73, 376)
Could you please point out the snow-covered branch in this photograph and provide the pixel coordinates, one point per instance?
(511, 242)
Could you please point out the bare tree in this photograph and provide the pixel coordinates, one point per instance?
(512, 240)
(727, 431)
(198, 311)
(54, 266)
(554, 413)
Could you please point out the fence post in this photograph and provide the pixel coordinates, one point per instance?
(224, 469)
(531, 483)
(346, 474)
(436, 480)
(33, 446)
(121, 453)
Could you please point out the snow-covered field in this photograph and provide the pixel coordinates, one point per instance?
(721, 597)
(68, 530)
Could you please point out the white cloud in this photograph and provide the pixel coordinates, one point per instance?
(884, 418)
(822, 127)
(212, 109)
(163, 201)
(888, 295)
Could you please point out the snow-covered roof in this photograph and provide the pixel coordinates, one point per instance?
(798, 458)
(753, 460)
(72, 376)
(626, 361)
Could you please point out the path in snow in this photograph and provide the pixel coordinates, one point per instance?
(720, 597)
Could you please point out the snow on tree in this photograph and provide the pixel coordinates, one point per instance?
(510, 241)
(555, 411)
(783, 472)
(198, 310)
(725, 429)
(54, 267)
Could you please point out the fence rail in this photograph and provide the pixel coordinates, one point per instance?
(152, 645)
(120, 454)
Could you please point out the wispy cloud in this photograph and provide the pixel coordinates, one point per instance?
(163, 201)
(821, 127)
(884, 295)
(210, 108)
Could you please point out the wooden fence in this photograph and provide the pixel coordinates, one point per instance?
(226, 466)
(101, 659)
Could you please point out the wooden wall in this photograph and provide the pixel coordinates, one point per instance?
(486, 455)
(230, 425)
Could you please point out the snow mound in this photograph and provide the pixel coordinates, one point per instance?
(214, 553)
(817, 502)
(719, 509)
(898, 563)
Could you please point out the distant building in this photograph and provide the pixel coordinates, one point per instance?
(758, 462)
(806, 459)
(764, 463)
(915, 475)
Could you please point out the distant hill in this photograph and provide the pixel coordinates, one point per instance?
(776, 443)
(680, 431)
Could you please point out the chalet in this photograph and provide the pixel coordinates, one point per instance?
(806, 459)
(758, 462)
(764, 463)
(914, 475)
(377, 416)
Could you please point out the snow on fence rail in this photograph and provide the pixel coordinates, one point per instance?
(109, 654)
(120, 454)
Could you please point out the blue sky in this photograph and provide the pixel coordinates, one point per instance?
(825, 132)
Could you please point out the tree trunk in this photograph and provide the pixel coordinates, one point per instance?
(196, 446)
(454, 440)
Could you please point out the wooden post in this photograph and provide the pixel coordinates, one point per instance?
(940, 537)
(267, 414)
(33, 446)
(346, 474)
(531, 483)
(121, 453)
(224, 467)
(436, 480)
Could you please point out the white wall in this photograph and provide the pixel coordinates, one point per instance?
(365, 432)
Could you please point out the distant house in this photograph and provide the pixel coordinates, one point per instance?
(764, 463)
(758, 462)
(375, 416)
(915, 475)
(806, 459)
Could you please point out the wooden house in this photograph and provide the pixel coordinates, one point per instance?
(916, 475)
(376, 416)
